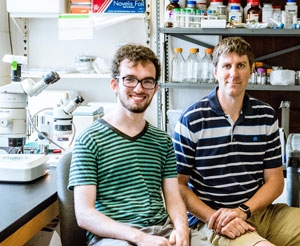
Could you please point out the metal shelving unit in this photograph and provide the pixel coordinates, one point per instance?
(186, 34)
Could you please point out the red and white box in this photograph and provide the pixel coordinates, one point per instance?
(118, 6)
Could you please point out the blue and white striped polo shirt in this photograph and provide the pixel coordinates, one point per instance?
(226, 160)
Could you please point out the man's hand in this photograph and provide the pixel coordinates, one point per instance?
(180, 237)
(150, 240)
(229, 222)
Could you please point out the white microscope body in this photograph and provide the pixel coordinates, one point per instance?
(13, 103)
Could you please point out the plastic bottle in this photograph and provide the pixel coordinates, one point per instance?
(234, 3)
(291, 11)
(176, 17)
(214, 5)
(190, 14)
(169, 12)
(192, 66)
(182, 17)
(207, 69)
(255, 12)
(291, 7)
(235, 14)
(277, 13)
(269, 70)
(222, 12)
(267, 13)
(197, 18)
(276, 24)
(191, 4)
(178, 66)
(261, 76)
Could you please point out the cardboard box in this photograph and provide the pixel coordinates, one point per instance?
(118, 6)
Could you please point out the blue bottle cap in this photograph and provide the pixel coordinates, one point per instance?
(235, 7)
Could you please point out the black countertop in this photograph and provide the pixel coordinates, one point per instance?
(20, 202)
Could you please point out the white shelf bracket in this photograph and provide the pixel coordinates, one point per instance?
(22, 26)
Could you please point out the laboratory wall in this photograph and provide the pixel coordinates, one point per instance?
(4, 44)
(41, 40)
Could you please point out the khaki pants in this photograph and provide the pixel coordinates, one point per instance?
(164, 230)
(278, 224)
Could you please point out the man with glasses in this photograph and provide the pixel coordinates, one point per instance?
(123, 169)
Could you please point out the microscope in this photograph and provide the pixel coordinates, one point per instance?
(13, 104)
(56, 128)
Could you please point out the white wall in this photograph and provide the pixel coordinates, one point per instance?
(4, 44)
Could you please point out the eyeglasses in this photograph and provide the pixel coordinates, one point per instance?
(148, 84)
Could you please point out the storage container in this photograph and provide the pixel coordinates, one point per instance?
(118, 6)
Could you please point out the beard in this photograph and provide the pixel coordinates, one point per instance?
(134, 108)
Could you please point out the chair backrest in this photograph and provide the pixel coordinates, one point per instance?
(71, 234)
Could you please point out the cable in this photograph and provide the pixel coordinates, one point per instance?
(38, 131)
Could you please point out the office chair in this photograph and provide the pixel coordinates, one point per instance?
(71, 234)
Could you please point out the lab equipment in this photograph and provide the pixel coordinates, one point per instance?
(57, 125)
(293, 170)
(13, 103)
(22, 168)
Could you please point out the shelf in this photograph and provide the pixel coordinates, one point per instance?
(191, 35)
(34, 15)
(231, 32)
(187, 86)
(211, 86)
(70, 75)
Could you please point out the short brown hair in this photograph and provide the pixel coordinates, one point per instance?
(233, 45)
(135, 54)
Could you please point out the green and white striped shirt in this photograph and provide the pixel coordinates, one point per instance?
(128, 171)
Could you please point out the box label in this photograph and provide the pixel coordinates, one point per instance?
(118, 6)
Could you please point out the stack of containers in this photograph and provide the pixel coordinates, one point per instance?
(80, 6)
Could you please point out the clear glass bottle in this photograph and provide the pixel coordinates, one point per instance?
(207, 69)
(169, 12)
(178, 66)
(192, 66)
